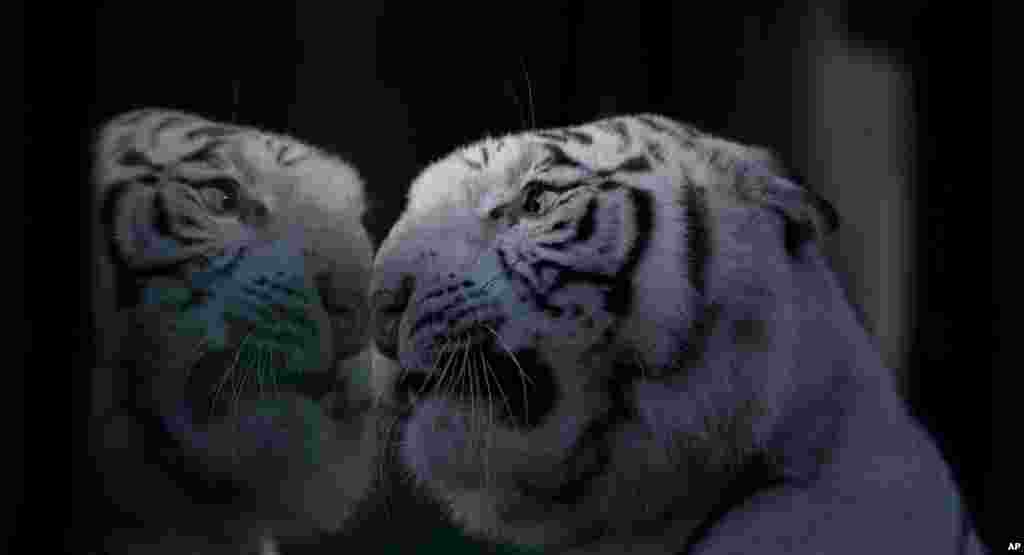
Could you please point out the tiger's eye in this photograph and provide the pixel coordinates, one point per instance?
(217, 200)
(531, 204)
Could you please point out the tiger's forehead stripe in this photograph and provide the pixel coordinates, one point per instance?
(644, 150)
(140, 143)
(568, 150)
(643, 140)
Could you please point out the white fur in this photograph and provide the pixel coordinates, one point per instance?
(308, 195)
(806, 388)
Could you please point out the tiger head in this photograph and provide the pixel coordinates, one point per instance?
(231, 272)
(581, 323)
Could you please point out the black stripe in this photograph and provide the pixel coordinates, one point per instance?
(832, 219)
(133, 158)
(698, 240)
(169, 122)
(568, 194)
(486, 155)
(619, 294)
(650, 122)
(433, 294)
(588, 223)
(618, 128)
(471, 163)
(622, 130)
(111, 198)
(689, 130)
(310, 153)
(557, 158)
(619, 300)
(580, 137)
(128, 282)
(134, 118)
(126, 294)
(567, 276)
(718, 159)
(556, 136)
(682, 134)
(213, 131)
(635, 164)
(582, 232)
(163, 222)
(693, 346)
(551, 187)
(655, 150)
(438, 315)
(564, 274)
(203, 154)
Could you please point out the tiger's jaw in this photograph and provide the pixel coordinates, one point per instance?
(254, 345)
(499, 398)
(490, 468)
(252, 383)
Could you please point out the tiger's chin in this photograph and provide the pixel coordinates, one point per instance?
(478, 465)
(505, 485)
(509, 478)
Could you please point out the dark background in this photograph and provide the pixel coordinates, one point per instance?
(394, 90)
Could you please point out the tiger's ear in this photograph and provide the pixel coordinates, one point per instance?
(760, 178)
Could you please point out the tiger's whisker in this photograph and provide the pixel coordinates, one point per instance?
(230, 370)
(198, 349)
(523, 376)
(240, 385)
(529, 92)
(448, 371)
(459, 374)
(463, 374)
(258, 375)
(435, 370)
(509, 351)
(274, 386)
(490, 416)
(497, 382)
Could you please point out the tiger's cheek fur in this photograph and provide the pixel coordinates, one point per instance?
(564, 325)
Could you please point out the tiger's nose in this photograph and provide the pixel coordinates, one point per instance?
(388, 306)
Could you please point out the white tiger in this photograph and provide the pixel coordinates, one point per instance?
(622, 337)
(230, 277)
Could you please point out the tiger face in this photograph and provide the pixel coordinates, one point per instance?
(231, 275)
(544, 305)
